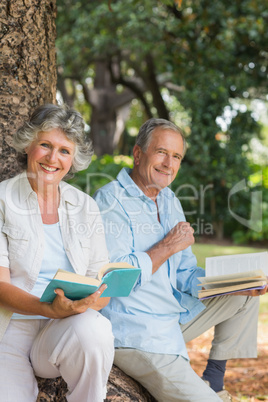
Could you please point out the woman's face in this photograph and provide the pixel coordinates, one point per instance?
(50, 158)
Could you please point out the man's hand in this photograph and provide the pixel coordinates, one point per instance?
(253, 292)
(179, 238)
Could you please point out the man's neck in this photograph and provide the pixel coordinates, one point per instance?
(150, 191)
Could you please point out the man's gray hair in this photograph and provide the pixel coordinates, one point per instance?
(48, 117)
(145, 134)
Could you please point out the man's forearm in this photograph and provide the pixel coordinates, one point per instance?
(158, 254)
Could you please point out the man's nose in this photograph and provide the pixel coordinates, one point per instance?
(167, 161)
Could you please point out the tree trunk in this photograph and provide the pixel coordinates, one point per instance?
(108, 110)
(120, 388)
(27, 68)
(152, 84)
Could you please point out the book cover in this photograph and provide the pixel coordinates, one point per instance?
(119, 278)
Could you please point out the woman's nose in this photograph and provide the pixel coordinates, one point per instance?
(52, 155)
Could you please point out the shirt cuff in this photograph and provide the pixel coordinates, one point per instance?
(146, 265)
(195, 288)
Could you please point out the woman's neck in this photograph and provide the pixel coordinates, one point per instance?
(48, 200)
(49, 209)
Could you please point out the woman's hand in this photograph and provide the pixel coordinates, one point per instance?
(63, 307)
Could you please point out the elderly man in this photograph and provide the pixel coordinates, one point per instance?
(145, 226)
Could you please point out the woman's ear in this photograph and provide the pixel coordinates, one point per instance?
(136, 154)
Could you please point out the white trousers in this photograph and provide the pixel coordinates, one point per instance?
(79, 348)
(170, 378)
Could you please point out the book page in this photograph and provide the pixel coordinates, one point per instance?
(76, 278)
(226, 286)
(229, 264)
(203, 297)
(243, 276)
(111, 267)
(215, 291)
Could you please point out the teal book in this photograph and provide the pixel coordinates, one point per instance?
(119, 278)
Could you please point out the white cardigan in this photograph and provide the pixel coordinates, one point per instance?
(22, 236)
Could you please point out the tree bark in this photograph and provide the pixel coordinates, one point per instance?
(120, 388)
(106, 125)
(27, 68)
(152, 84)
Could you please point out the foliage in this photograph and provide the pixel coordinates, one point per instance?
(215, 51)
(100, 172)
(213, 167)
(259, 182)
(219, 69)
(208, 57)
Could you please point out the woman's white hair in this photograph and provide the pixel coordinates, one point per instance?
(48, 117)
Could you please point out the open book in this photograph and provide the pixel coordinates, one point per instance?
(234, 273)
(119, 277)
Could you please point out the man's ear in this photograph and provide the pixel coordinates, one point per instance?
(136, 154)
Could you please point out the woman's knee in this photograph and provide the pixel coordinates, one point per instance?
(92, 328)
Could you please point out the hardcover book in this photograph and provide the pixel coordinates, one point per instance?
(119, 278)
(234, 273)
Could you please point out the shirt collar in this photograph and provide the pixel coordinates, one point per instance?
(69, 194)
(131, 187)
(25, 190)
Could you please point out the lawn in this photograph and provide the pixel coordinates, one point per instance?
(211, 250)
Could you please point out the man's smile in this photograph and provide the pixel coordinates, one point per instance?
(163, 172)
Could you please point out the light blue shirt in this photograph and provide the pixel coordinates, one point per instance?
(149, 319)
(54, 258)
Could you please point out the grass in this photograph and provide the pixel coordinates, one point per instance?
(210, 250)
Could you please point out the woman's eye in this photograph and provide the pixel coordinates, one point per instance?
(65, 151)
(44, 144)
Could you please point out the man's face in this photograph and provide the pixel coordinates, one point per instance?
(158, 166)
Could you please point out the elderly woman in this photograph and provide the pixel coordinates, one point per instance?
(47, 224)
